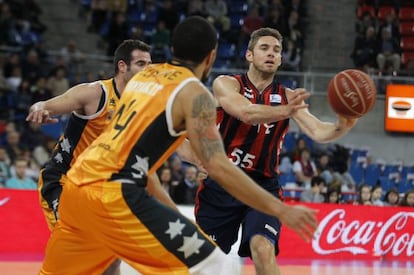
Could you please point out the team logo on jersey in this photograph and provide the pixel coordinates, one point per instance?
(275, 98)
(248, 93)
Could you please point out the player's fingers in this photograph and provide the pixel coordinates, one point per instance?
(301, 234)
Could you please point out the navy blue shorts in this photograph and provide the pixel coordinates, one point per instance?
(220, 216)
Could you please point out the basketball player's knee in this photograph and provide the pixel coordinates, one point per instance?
(261, 247)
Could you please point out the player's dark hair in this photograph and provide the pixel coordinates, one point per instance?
(257, 34)
(124, 50)
(193, 39)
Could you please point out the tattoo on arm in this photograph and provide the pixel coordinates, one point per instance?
(204, 111)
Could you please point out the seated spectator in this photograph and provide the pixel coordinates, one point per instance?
(291, 56)
(314, 194)
(216, 11)
(185, 191)
(43, 152)
(167, 12)
(304, 169)
(300, 145)
(13, 145)
(392, 25)
(160, 44)
(58, 83)
(164, 174)
(364, 195)
(72, 57)
(364, 23)
(39, 90)
(295, 29)
(365, 49)
(4, 166)
(20, 180)
(376, 195)
(118, 31)
(333, 196)
(388, 54)
(196, 7)
(275, 19)
(324, 168)
(392, 198)
(408, 199)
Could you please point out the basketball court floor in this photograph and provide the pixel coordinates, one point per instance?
(288, 267)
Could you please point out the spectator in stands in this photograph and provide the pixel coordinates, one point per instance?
(160, 44)
(21, 100)
(364, 195)
(168, 14)
(376, 196)
(15, 79)
(97, 15)
(408, 199)
(392, 198)
(300, 144)
(72, 57)
(58, 82)
(389, 51)
(392, 25)
(291, 56)
(364, 23)
(275, 19)
(304, 169)
(20, 180)
(164, 174)
(365, 49)
(118, 31)
(295, 29)
(296, 5)
(196, 7)
(31, 135)
(43, 152)
(39, 90)
(8, 25)
(13, 147)
(185, 191)
(117, 5)
(324, 169)
(32, 68)
(216, 11)
(333, 195)
(251, 22)
(314, 194)
(4, 166)
(177, 173)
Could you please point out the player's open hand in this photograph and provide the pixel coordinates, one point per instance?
(39, 115)
(301, 219)
(296, 99)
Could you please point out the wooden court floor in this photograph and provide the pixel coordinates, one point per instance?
(287, 268)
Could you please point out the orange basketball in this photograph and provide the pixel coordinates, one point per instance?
(351, 93)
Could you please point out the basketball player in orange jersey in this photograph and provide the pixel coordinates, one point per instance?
(253, 119)
(92, 107)
(104, 203)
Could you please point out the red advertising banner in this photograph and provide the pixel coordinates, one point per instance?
(355, 232)
(344, 232)
(23, 229)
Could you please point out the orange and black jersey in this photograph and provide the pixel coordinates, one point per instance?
(79, 133)
(140, 137)
(255, 148)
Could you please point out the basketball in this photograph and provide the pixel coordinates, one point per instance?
(351, 93)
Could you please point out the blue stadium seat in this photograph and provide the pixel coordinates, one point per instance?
(226, 51)
(286, 178)
(404, 186)
(236, 20)
(289, 142)
(372, 174)
(357, 172)
(386, 183)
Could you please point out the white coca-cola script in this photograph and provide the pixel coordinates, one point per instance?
(337, 233)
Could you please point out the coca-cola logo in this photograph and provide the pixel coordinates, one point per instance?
(337, 233)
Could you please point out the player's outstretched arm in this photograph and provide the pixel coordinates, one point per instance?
(322, 131)
(197, 109)
(78, 98)
(226, 90)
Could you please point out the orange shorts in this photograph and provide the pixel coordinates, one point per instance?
(103, 221)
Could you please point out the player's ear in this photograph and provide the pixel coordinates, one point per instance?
(122, 66)
(249, 55)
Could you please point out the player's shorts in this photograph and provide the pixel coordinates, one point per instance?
(49, 206)
(220, 215)
(106, 220)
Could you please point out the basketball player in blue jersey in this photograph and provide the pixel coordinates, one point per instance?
(253, 118)
(91, 106)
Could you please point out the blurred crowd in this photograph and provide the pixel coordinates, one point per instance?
(28, 73)
(384, 43)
